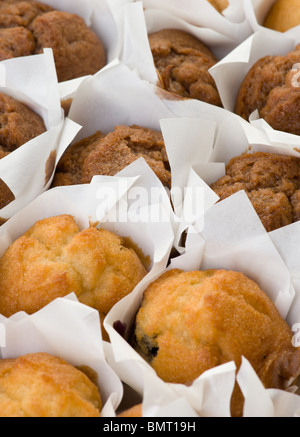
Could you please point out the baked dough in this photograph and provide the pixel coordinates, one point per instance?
(43, 385)
(192, 321)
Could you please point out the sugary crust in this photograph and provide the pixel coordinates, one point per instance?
(27, 27)
(271, 182)
(101, 154)
(271, 86)
(42, 385)
(192, 321)
(182, 62)
(54, 258)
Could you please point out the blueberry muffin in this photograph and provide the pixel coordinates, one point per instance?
(272, 183)
(101, 154)
(27, 27)
(182, 63)
(271, 86)
(192, 321)
(42, 385)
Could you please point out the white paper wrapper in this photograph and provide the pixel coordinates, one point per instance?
(69, 330)
(239, 242)
(221, 34)
(28, 170)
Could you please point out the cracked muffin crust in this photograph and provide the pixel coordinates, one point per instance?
(101, 154)
(272, 183)
(27, 27)
(18, 124)
(54, 258)
(272, 87)
(42, 385)
(182, 63)
(192, 321)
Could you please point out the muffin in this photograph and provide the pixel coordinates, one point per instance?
(271, 86)
(283, 15)
(18, 125)
(43, 385)
(27, 27)
(54, 258)
(219, 5)
(101, 154)
(182, 63)
(192, 321)
(272, 183)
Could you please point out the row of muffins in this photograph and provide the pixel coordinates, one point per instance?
(153, 154)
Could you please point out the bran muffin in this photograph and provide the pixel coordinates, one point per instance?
(43, 385)
(27, 27)
(272, 183)
(101, 154)
(271, 86)
(182, 63)
(18, 124)
(192, 321)
(54, 258)
(283, 15)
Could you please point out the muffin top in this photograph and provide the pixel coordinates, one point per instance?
(182, 63)
(54, 258)
(101, 154)
(43, 385)
(27, 27)
(192, 321)
(271, 86)
(272, 183)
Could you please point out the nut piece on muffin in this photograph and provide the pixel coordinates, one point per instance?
(101, 154)
(272, 183)
(192, 321)
(283, 15)
(54, 258)
(272, 87)
(42, 385)
(27, 27)
(182, 63)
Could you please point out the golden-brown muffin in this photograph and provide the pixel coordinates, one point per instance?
(54, 258)
(27, 27)
(283, 15)
(101, 154)
(220, 5)
(135, 411)
(192, 321)
(182, 63)
(272, 183)
(271, 86)
(42, 385)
